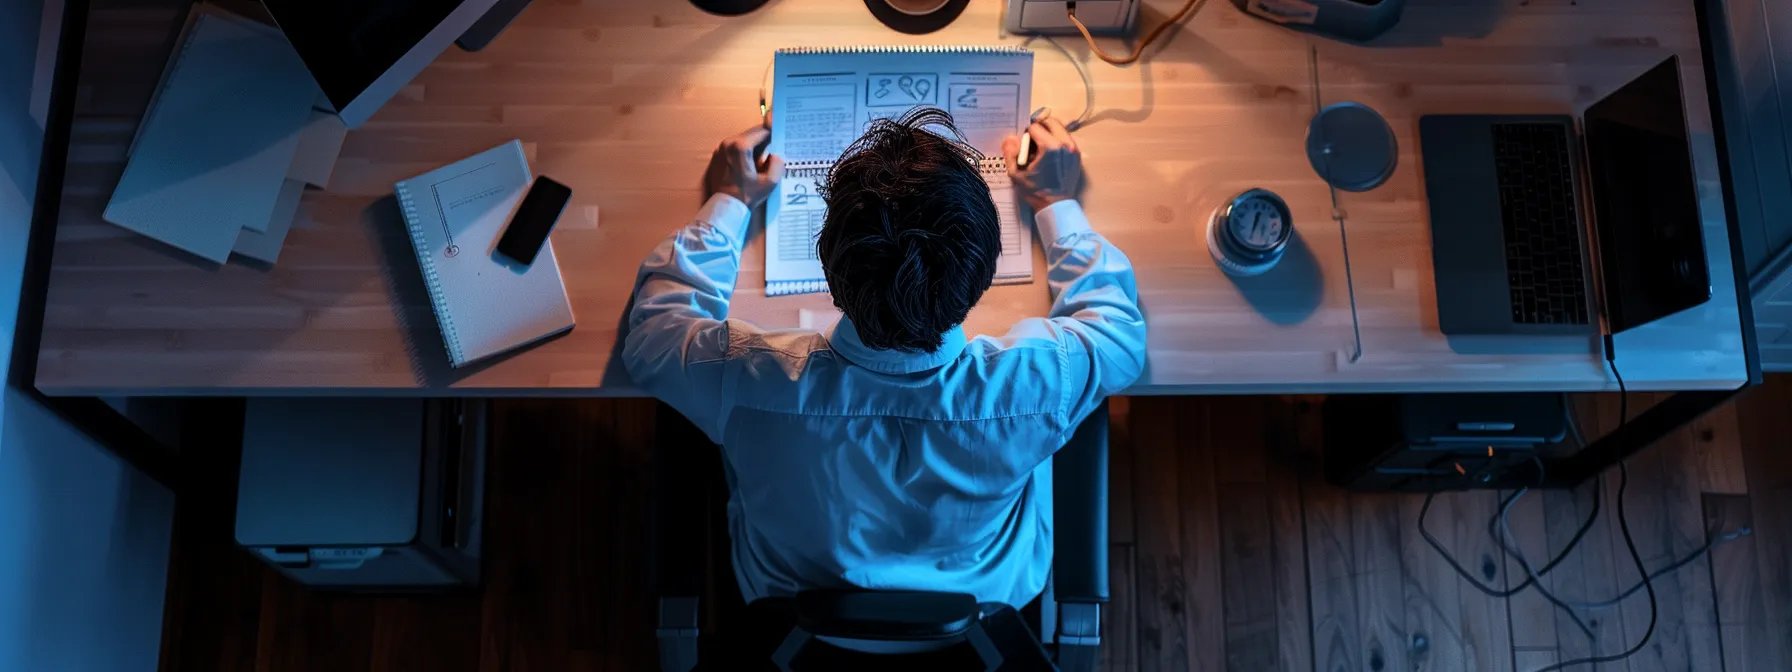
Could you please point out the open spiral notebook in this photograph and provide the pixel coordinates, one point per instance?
(824, 97)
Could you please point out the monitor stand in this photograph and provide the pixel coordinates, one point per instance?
(728, 7)
(489, 26)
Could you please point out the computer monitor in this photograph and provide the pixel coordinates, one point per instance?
(361, 52)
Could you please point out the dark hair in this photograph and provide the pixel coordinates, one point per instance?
(911, 237)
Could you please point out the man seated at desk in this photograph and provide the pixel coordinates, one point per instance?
(891, 453)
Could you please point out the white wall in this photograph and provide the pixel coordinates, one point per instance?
(86, 551)
(1759, 125)
(84, 539)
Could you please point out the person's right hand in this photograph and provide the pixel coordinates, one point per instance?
(733, 171)
(1054, 171)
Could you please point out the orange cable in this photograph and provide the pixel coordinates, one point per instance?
(1187, 10)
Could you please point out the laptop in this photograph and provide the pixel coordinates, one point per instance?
(1514, 197)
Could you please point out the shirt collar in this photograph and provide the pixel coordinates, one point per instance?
(845, 340)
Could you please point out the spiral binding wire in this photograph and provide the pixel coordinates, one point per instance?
(426, 261)
(808, 168)
(783, 287)
(911, 49)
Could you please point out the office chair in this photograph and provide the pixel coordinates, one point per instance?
(832, 629)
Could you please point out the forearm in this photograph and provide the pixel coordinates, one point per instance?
(1090, 279)
(677, 325)
(1095, 310)
(691, 275)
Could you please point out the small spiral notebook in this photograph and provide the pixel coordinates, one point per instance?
(484, 303)
(823, 98)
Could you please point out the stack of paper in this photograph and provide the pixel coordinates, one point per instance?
(229, 143)
(319, 144)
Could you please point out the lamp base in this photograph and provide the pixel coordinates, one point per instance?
(916, 24)
(728, 7)
(1351, 147)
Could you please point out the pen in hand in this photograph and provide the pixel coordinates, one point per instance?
(1026, 140)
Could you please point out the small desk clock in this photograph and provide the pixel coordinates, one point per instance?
(1248, 235)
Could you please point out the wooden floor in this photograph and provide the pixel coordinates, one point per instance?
(1229, 552)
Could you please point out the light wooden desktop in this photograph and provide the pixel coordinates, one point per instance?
(624, 100)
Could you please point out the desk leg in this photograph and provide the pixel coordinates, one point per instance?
(1639, 433)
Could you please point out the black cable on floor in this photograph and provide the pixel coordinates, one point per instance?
(1499, 527)
(1532, 575)
(1580, 533)
(1508, 542)
(1624, 528)
(1714, 542)
(1529, 581)
(1423, 532)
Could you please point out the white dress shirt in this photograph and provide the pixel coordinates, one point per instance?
(850, 466)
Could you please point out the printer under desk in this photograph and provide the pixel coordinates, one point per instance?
(365, 494)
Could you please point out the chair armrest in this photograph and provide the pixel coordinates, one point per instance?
(682, 461)
(1080, 510)
(682, 458)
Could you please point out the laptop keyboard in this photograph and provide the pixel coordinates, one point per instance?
(1542, 223)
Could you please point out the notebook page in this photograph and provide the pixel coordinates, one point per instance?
(790, 236)
(1015, 266)
(824, 99)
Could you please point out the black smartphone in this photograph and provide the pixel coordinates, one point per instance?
(534, 219)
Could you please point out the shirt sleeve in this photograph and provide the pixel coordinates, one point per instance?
(1095, 317)
(677, 330)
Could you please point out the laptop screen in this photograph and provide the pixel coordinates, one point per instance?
(1645, 201)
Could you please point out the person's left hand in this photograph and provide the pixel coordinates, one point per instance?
(733, 171)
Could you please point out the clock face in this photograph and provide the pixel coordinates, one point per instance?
(1257, 222)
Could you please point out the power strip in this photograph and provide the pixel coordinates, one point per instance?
(1052, 17)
